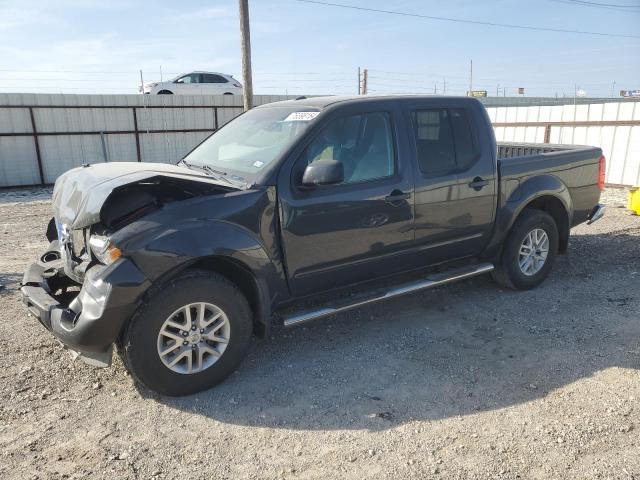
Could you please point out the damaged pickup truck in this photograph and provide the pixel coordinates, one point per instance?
(294, 211)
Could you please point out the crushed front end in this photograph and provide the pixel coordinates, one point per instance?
(84, 304)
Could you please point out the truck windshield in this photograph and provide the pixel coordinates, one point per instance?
(250, 142)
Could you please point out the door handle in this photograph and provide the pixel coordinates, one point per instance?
(478, 183)
(397, 196)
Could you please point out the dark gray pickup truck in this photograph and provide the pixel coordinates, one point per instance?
(294, 211)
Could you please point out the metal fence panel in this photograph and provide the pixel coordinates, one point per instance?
(18, 162)
(165, 127)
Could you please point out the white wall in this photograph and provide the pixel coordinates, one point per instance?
(19, 166)
(18, 158)
(620, 144)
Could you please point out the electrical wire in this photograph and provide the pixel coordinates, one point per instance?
(460, 20)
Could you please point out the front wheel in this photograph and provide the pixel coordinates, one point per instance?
(529, 251)
(188, 336)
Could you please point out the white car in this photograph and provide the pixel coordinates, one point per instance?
(195, 83)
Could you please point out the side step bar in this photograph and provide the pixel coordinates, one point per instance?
(428, 282)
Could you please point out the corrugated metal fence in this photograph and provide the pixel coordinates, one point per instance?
(43, 135)
(614, 127)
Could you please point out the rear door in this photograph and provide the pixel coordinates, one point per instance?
(213, 84)
(477, 176)
(455, 184)
(362, 228)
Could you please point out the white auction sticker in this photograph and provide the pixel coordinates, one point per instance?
(301, 116)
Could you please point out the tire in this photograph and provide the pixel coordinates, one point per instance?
(165, 92)
(508, 271)
(141, 343)
(227, 93)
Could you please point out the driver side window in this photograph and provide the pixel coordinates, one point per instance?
(187, 79)
(362, 143)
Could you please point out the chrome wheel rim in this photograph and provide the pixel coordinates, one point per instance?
(533, 252)
(193, 338)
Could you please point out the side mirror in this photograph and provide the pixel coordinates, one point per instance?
(323, 172)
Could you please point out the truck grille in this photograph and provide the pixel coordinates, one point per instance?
(71, 242)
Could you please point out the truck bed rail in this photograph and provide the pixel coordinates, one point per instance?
(512, 149)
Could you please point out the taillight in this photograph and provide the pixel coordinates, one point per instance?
(602, 168)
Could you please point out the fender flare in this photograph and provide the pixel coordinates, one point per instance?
(526, 193)
(171, 250)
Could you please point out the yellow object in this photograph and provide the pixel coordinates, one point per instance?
(634, 200)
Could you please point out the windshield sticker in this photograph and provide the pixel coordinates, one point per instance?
(258, 164)
(301, 116)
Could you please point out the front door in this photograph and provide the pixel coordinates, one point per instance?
(360, 229)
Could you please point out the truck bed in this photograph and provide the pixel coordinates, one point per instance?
(576, 166)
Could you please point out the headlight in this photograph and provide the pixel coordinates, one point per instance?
(105, 251)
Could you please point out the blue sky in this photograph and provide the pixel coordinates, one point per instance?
(99, 46)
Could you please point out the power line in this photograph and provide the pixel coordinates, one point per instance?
(625, 9)
(459, 20)
(596, 4)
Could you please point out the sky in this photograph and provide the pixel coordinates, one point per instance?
(100, 46)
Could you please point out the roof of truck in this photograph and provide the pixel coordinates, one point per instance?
(322, 102)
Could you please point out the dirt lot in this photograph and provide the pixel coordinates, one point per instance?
(467, 381)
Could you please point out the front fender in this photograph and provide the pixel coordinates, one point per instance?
(174, 248)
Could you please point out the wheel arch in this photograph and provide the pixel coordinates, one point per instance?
(254, 289)
(542, 192)
(557, 210)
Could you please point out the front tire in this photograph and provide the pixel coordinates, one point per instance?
(189, 335)
(529, 251)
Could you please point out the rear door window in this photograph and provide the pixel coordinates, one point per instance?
(465, 144)
(435, 148)
(212, 78)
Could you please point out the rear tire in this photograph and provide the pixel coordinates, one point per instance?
(207, 357)
(165, 92)
(529, 251)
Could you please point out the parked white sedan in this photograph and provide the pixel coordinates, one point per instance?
(196, 83)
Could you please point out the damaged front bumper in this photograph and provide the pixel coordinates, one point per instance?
(86, 318)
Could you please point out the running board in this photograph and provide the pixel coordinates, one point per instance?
(431, 281)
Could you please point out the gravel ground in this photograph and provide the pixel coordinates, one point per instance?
(467, 381)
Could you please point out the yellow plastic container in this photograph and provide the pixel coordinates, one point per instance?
(634, 200)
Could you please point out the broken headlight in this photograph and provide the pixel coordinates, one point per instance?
(103, 249)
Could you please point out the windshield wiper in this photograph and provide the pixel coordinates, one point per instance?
(217, 174)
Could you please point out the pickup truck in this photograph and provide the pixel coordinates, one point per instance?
(291, 212)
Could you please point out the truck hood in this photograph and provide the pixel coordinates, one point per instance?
(80, 193)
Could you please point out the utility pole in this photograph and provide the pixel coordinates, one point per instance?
(365, 81)
(245, 41)
(498, 90)
(470, 78)
(444, 86)
(613, 89)
(359, 81)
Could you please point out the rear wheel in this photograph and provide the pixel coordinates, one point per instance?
(165, 92)
(188, 336)
(529, 251)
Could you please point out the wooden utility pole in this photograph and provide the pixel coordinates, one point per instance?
(245, 40)
(365, 78)
(359, 91)
(470, 78)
